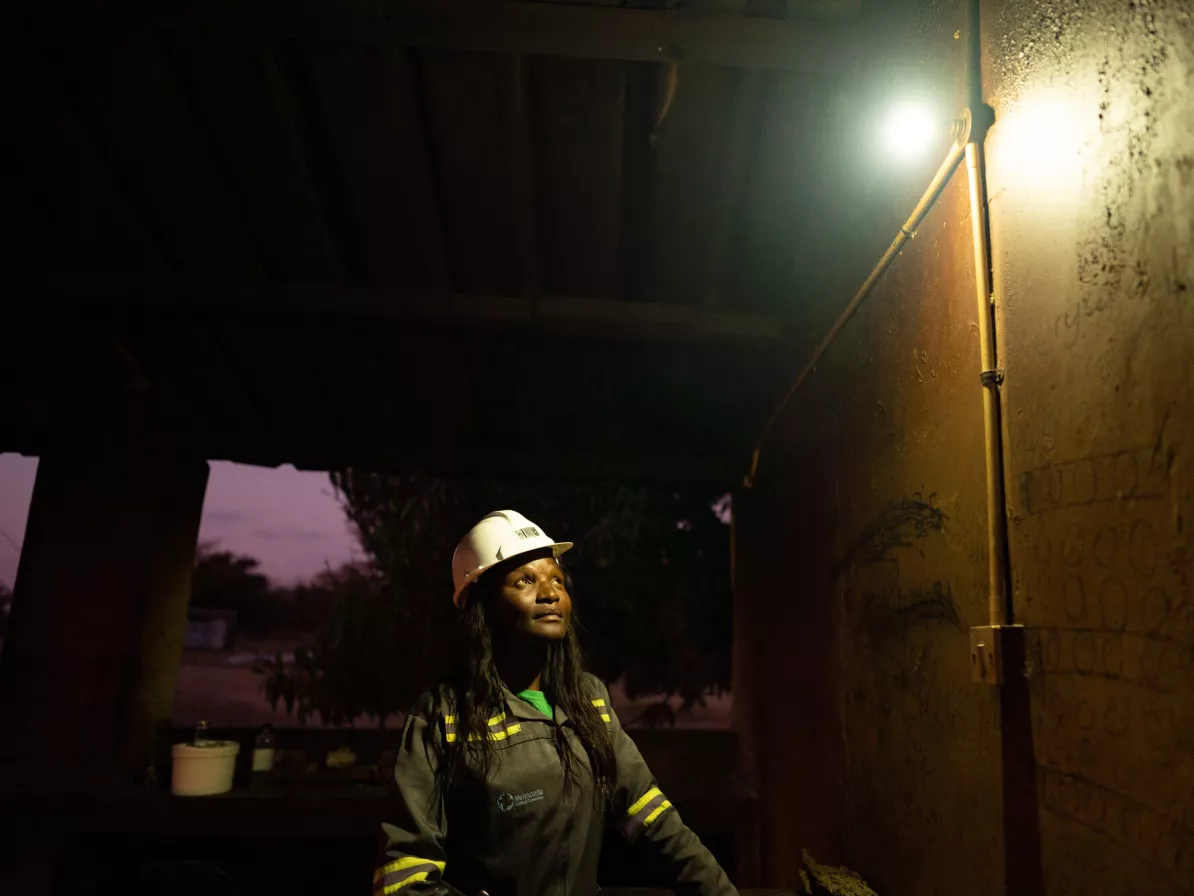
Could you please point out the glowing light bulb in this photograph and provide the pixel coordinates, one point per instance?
(909, 130)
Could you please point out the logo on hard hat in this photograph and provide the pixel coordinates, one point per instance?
(527, 532)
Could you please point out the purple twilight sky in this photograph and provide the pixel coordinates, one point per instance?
(288, 519)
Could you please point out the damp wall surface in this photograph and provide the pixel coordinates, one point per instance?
(1091, 182)
(861, 550)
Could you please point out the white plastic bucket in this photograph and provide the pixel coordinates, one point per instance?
(203, 769)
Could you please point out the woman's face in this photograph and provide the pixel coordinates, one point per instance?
(532, 601)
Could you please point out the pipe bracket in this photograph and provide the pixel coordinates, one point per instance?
(991, 379)
(997, 653)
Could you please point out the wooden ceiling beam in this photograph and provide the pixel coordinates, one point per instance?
(585, 317)
(720, 471)
(551, 29)
(522, 187)
(286, 107)
(741, 144)
(420, 180)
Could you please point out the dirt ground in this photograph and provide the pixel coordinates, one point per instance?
(223, 690)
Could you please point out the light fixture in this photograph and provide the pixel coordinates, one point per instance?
(910, 129)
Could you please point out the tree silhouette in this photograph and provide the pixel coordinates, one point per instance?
(224, 580)
(351, 668)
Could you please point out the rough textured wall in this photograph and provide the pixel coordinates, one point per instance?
(887, 757)
(861, 557)
(1091, 182)
(861, 554)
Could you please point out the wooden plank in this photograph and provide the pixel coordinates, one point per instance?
(90, 224)
(465, 94)
(324, 420)
(577, 113)
(377, 389)
(245, 106)
(126, 92)
(663, 468)
(402, 73)
(522, 194)
(696, 36)
(156, 69)
(740, 143)
(791, 9)
(643, 95)
(781, 177)
(177, 355)
(593, 318)
(374, 133)
(225, 378)
(691, 129)
(303, 145)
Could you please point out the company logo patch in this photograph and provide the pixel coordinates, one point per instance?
(527, 532)
(508, 801)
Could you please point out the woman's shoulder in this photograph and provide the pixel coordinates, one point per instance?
(595, 686)
(433, 703)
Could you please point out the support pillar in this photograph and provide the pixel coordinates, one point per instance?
(98, 619)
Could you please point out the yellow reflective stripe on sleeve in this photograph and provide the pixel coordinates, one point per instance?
(404, 863)
(644, 812)
(599, 702)
(666, 804)
(449, 719)
(496, 719)
(393, 888)
(393, 876)
(450, 737)
(643, 800)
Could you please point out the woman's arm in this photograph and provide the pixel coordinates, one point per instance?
(412, 858)
(646, 818)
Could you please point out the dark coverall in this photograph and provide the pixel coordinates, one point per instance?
(518, 833)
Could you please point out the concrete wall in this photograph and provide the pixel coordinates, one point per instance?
(1092, 210)
(861, 555)
(878, 515)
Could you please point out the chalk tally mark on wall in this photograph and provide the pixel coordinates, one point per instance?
(1134, 473)
(1160, 842)
(1111, 642)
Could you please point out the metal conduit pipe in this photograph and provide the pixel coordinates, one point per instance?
(991, 377)
(961, 138)
(987, 643)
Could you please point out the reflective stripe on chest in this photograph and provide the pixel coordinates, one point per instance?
(499, 728)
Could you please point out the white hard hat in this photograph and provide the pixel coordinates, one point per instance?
(501, 535)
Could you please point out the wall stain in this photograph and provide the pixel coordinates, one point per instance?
(892, 611)
(887, 618)
(899, 525)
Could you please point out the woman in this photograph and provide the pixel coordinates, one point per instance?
(508, 774)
